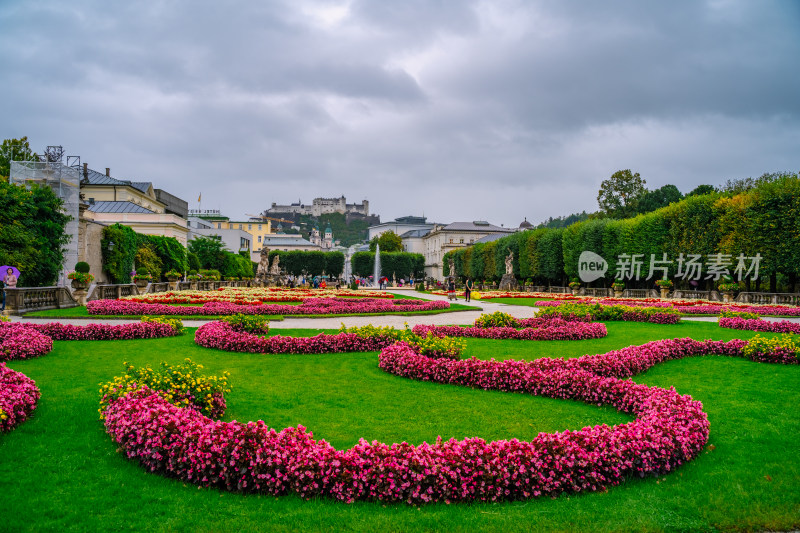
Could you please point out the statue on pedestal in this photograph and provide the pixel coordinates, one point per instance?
(262, 271)
(509, 282)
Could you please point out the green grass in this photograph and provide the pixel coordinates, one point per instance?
(60, 471)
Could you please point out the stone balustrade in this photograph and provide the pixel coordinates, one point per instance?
(27, 299)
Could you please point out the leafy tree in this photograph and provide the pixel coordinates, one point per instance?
(15, 150)
(701, 190)
(119, 258)
(618, 194)
(563, 222)
(32, 234)
(389, 241)
(147, 258)
(209, 251)
(652, 200)
(334, 263)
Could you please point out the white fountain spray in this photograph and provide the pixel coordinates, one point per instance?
(376, 274)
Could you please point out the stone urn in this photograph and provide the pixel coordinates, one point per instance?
(617, 294)
(173, 283)
(664, 293)
(141, 283)
(727, 297)
(79, 285)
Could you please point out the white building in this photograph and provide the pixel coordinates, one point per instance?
(235, 240)
(443, 239)
(400, 226)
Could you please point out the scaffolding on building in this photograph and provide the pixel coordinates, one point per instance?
(64, 181)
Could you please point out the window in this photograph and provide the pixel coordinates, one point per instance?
(240, 226)
(91, 200)
(461, 241)
(259, 227)
(451, 241)
(219, 225)
(259, 238)
(249, 226)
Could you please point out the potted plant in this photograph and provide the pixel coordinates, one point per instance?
(618, 287)
(665, 285)
(80, 276)
(575, 285)
(141, 277)
(172, 275)
(727, 289)
(193, 278)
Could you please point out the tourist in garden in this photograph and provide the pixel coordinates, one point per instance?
(467, 289)
(10, 282)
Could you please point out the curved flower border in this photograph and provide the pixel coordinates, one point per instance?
(18, 397)
(314, 306)
(18, 393)
(222, 336)
(669, 430)
(548, 330)
(757, 324)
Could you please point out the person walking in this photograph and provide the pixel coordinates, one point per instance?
(10, 282)
(467, 289)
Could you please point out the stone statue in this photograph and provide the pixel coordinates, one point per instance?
(275, 270)
(509, 282)
(263, 266)
(452, 264)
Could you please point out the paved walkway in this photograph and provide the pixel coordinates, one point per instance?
(397, 321)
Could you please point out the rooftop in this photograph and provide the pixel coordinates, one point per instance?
(117, 207)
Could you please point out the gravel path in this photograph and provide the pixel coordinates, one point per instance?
(454, 318)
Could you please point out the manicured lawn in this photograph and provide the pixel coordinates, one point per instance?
(60, 471)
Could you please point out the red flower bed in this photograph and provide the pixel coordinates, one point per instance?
(18, 397)
(102, 332)
(544, 330)
(20, 341)
(314, 306)
(756, 324)
(669, 430)
(222, 336)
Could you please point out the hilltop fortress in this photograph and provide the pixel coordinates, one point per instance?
(321, 206)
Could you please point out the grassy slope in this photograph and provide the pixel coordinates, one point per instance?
(60, 471)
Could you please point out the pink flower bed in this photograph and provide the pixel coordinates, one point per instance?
(550, 330)
(689, 307)
(20, 341)
(669, 430)
(315, 306)
(18, 397)
(100, 332)
(756, 324)
(222, 336)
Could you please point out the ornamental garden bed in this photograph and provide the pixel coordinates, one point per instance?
(63, 463)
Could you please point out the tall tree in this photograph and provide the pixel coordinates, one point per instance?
(389, 241)
(32, 236)
(652, 200)
(619, 194)
(15, 150)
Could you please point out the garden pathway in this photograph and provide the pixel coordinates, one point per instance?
(397, 321)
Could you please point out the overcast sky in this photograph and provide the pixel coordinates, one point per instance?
(494, 110)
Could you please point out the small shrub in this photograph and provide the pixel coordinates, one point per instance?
(498, 319)
(256, 324)
(738, 314)
(82, 267)
(182, 385)
(176, 323)
(783, 349)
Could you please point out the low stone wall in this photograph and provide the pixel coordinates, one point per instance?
(27, 299)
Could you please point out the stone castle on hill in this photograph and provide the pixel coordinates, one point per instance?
(321, 206)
